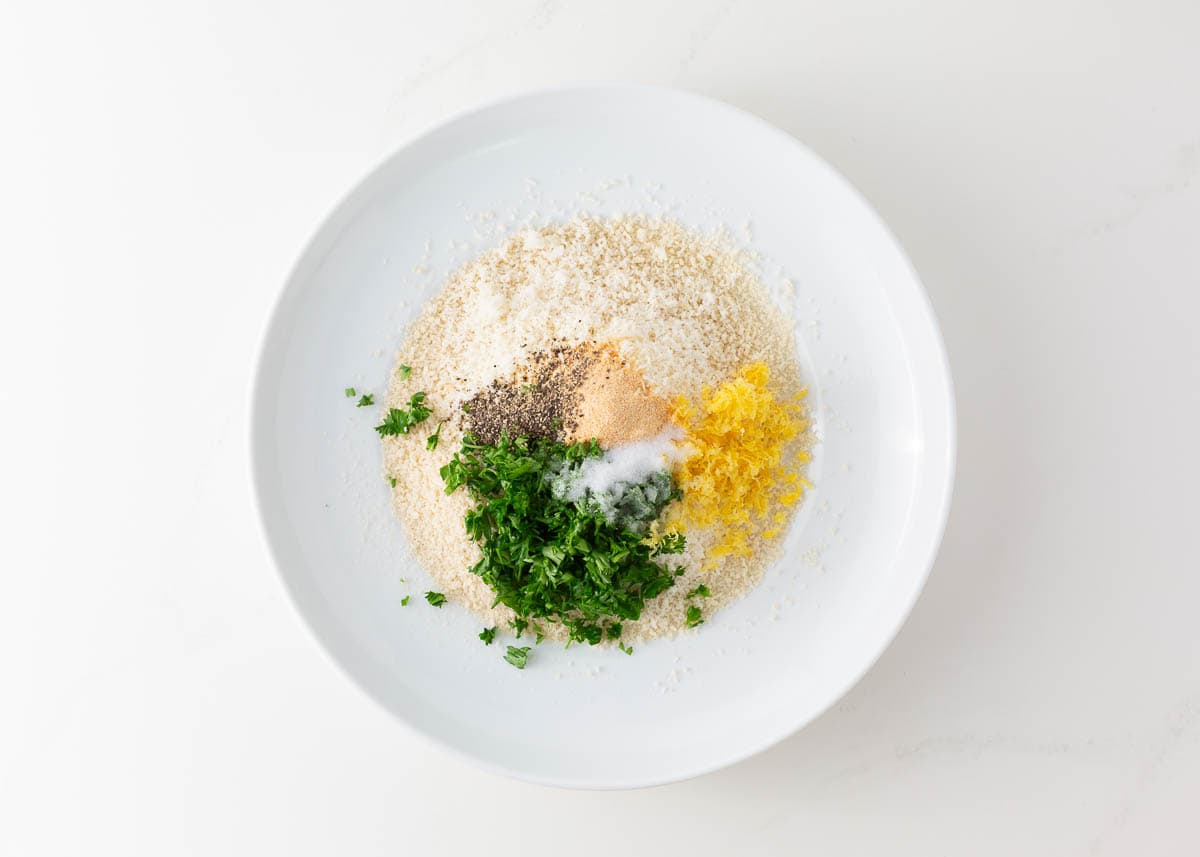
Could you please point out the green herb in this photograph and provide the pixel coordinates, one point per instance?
(519, 625)
(350, 393)
(614, 631)
(624, 648)
(517, 657)
(529, 388)
(590, 634)
(392, 479)
(701, 591)
(693, 616)
(404, 601)
(437, 599)
(629, 506)
(405, 371)
(544, 556)
(487, 635)
(671, 543)
(538, 637)
(431, 442)
(399, 420)
(680, 571)
(367, 399)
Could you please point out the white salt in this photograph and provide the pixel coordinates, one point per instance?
(626, 463)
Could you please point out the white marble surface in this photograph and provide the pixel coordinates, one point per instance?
(164, 163)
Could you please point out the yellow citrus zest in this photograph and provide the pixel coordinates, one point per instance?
(736, 470)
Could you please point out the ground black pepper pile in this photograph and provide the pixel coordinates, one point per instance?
(540, 401)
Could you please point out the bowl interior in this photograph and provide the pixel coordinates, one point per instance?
(862, 543)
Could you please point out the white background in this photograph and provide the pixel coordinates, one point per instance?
(164, 163)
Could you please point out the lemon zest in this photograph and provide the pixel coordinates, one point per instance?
(739, 436)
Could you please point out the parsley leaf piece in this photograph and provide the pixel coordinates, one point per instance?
(671, 543)
(405, 371)
(519, 625)
(351, 393)
(401, 420)
(693, 616)
(624, 648)
(367, 399)
(404, 601)
(487, 635)
(517, 657)
(437, 599)
(431, 442)
(392, 480)
(701, 591)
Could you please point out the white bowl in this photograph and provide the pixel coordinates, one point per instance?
(861, 546)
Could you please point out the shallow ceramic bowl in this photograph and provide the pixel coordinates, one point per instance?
(860, 548)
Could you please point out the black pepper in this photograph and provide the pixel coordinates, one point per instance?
(540, 400)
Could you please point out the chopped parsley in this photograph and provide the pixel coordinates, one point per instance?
(701, 591)
(437, 599)
(431, 442)
(519, 625)
(351, 392)
(367, 399)
(546, 556)
(624, 648)
(392, 479)
(487, 635)
(400, 420)
(629, 506)
(517, 657)
(405, 371)
(693, 616)
(671, 543)
(404, 601)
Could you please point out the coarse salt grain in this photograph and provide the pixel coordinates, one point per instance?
(627, 463)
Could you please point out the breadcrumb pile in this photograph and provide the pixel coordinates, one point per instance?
(683, 307)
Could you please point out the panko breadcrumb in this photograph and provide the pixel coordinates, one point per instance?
(682, 307)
